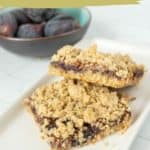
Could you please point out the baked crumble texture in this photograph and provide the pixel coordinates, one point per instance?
(112, 70)
(72, 113)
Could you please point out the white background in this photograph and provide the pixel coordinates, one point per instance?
(129, 24)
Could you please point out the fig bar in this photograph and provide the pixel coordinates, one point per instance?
(72, 113)
(112, 70)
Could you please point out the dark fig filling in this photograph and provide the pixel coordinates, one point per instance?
(80, 68)
(67, 67)
(89, 131)
(77, 68)
(138, 73)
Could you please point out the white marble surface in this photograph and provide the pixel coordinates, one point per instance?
(130, 24)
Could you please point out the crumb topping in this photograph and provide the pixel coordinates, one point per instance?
(121, 66)
(75, 111)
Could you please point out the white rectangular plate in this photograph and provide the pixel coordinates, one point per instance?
(17, 130)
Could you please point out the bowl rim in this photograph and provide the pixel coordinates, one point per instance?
(52, 37)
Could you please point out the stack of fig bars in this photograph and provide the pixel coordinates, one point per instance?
(86, 105)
